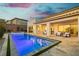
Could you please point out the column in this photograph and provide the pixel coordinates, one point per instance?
(27, 29)
(78, 27)
(48, 29)
(34, 29)
(56, 28)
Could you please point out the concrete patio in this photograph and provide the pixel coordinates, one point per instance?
(68, 47)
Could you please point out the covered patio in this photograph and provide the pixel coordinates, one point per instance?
(67, 21)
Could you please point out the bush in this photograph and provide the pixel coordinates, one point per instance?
(2, 31)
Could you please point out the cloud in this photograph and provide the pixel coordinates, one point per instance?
(21, 5)
(44, 10)
(27, 10)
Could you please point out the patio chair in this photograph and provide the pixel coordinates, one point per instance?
(58, 33)
(66, 34)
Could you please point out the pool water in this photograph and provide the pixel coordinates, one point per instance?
(26, 44)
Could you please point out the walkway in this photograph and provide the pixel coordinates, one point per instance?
(1, 42)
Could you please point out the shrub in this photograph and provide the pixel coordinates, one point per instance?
(2, 31)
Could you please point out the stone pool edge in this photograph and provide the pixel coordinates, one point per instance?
(36, 53)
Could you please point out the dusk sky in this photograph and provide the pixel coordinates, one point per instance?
(9, 11)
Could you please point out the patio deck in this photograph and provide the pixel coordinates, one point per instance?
(68, 47)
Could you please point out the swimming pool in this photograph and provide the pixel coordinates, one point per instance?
(29, 44)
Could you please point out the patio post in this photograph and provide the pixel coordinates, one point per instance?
(48, 29)
(78, 27)
(34, 29)
(27, 28)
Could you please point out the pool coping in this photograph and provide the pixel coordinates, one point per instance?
(4, 46)
(36, 52)
(43, 49)
(4, 49)
(13, 47)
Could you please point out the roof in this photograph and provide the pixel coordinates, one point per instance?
(65, 11)
(17, 19)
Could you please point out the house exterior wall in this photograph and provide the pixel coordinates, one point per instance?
(16, 24)
(11, 27)
(20, 22)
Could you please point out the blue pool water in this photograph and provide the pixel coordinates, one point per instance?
(25, 44)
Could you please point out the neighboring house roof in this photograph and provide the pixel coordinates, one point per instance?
(17, 19)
